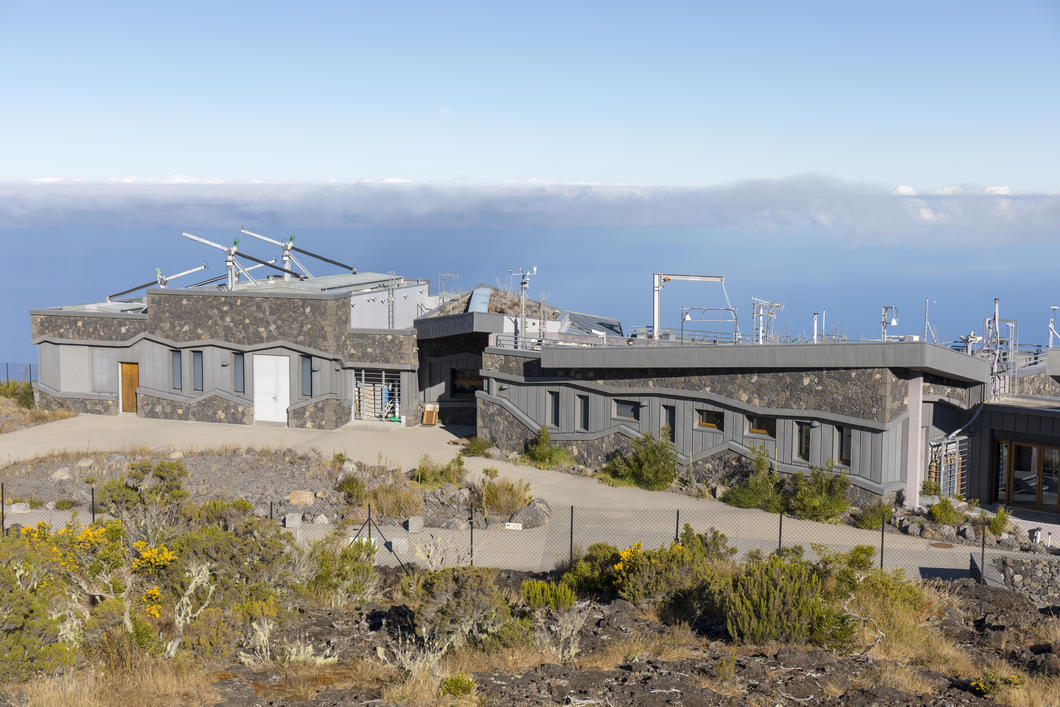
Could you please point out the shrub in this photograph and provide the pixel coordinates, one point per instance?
(776, 600)
(542, 454)
(930, 488)
(944, 513)
(547, 595)
(820, 496)
(21, 392)
(651, 576)
(516, 633)
(651, 465)
(343, 571)
(490, 472)
(999, 523)
(458, 606)
(457, 685)
(502, 497)
(762, 489)
(354, 490)
(873, 515)
(592, 575)
(396, 500)
(431, 473)
(476, 447)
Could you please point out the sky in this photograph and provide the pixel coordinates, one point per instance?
(828, 155)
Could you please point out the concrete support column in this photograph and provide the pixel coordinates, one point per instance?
(914, 468)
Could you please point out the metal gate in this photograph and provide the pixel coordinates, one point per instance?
(376, 395)
(948, 465)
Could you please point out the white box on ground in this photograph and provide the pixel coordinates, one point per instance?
(513, 526)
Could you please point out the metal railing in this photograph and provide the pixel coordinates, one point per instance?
(20, 372)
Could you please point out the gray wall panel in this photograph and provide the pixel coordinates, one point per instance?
(104, 371)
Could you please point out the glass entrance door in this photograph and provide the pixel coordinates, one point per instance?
(1050, 477)
(1024, 490)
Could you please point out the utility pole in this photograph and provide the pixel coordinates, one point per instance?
(524, 285)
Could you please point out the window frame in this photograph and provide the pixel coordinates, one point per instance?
(844, 432)
(176, 372)
(701, 415)
(634, 405)
(239, 372)
(801, 425)
(552, 408)
(306, 376)
(583, 412)
(762, 431)
(197, 373)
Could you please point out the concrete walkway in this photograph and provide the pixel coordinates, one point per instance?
(616, 515)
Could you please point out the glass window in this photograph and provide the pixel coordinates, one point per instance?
(583, 412)
(626, 408)
(178, 377)
(196, 370)
(759, 425)
(239, 382)
(553, 408)
(844, 435)
(307, 376)
(670, 421)
(1024, 476)
(1050, 476)
(714, 419)
(802, 441)
(1001, 472)
(463, 382)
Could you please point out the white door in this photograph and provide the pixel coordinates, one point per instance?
(272, 388)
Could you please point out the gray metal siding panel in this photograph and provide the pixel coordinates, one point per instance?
(104, 371)
(48, 365)
(75, 372)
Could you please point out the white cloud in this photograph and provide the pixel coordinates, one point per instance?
(903, 190)
(998, 191)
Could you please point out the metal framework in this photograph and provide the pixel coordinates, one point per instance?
(376, 395)
(948, 465)
(659, 280)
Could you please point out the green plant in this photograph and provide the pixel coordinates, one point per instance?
(761, 489)
(458, 606)
(929, 487)
(353, 489)
(343, 571)
(542, 454)
(999, 523)
(502, 497)
(651, 576)
(20, 391)
(776, 600)
(476, 447)
(991, 681)
(820, 496)
(547, 595)
(651, 465)
(516, 633)
(457, 685)
(490, 472)
(431, 473)
(396, 500)
(873, 515)
(65, 504)
(944, 513)
(593, 575)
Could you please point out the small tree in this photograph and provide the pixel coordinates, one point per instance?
(651, 465)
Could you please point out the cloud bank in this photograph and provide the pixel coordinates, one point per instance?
(851, 211)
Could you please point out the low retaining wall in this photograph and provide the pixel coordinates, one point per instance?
(212, 408)
(1036, 578)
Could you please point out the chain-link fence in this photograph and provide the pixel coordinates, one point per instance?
(19, 372)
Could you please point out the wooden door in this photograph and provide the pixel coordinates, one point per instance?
(130, 381)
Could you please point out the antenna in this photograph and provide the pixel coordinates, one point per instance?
(222, 277)
(160, 280)
(288, 258)
(764, 316)
(233, 267)
(524, 285)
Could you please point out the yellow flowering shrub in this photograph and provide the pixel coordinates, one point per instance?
(150, 559)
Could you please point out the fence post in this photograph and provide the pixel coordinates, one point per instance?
(270, 510)
(780, 536)
(982, 561)
(677, 527)
(3, 520)
(93, 490)
(883, 524)
(369, 523)
(471, 525)
(572, 534)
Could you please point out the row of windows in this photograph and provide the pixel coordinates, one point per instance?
(238, 372)
(709, 419)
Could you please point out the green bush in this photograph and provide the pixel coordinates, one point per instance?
(651, 465)
(646, 577)
(458, 606)
(21, 392)
(516, 633)
(500, 498)
(821, 496)
(873, 515)
(431, 473)
(944, 513)
(547, 595)
(457, 685)
(542, 454)
(476, 447)
(776, 600)
(762, 489)
(396, 500)
(999, 523)
(353, 490)
(930, 488)
(593, 575)
(343, 571)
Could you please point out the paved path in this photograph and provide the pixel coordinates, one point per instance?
(616, 515)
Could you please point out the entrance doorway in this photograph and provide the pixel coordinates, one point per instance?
(130, 381)
(1027, 475)
(272, 388)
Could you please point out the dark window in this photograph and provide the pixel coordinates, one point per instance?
(196, 370)
(178, 378)
(626, 408)
(802, 441)
(758, 425)
(583, 412)
(844, 434)
(239, 383)
(553, 408)
(463, 382)
(670, 421)
(1001, 456)
(713, 419)
(307, 376)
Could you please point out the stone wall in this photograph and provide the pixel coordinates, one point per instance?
(1037, 578)
(948, 389)
(245, 320)
(499, 426)
(448, 345)
(212, 408)
(394, 348)
(512, 364)
(91, 406)
(328, 414)
(460, 414)
(78, 325)
(1041, 384)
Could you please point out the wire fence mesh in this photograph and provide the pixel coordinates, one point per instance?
(17, 372)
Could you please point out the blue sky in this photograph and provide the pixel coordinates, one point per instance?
(829, 155)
